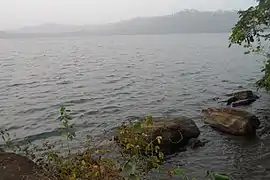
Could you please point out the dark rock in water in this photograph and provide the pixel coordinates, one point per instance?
(175, 132)
(231, 100)
(232, 121)
(245, 95)
(242, 94)
(216, 98)
(241, 98)
(17, 167)
(243, 102)
(196, 143)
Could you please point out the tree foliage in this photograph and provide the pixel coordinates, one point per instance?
(252, 32)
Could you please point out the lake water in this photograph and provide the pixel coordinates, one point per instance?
(108, 79)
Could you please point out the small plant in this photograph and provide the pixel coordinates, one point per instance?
(8, 141)
(141, 147)
(82, 166)
(65, 126)
(6, 137)
(180, 173)
(218, 176)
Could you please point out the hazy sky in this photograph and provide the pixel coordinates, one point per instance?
(17, 13)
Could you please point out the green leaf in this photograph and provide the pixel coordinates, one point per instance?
(161, 155)
(52, 156)
(252, 32)
(129, 168)
(218, 176)
(178, 172)
(62, 110)
(157, 148)
(133, 168)
(137, 125)
(133, 177)
(63, 133)
(148, 147)
(129, 146)
(149, 120)
(159, 138)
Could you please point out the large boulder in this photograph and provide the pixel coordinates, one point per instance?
(231, 121)
(17, 167)
(241, 98)
(175, 132)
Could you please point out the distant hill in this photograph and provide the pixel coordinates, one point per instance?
(182, 22)
(2, 34)
(47, 28)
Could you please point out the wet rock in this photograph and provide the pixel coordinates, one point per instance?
(183, 149)
(232, 121)
(243, 102)
(241, 98)
(242, 94)
(175, 132)
(17, 167)
(196, 143)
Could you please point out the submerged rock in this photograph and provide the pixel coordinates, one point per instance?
(175, 132)
(243, 102)
(17, 167)
(196, 143)
(241, 98)
(231, 121)
(242, 94)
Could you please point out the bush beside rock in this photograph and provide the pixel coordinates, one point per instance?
(173, 133)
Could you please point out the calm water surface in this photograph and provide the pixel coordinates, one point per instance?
(106, 80)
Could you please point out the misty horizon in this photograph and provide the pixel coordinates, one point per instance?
(188, 21)
(15, 14)
(115, 22)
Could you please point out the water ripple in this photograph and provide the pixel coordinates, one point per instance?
(106, 80)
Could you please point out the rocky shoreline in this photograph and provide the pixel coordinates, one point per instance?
(176, 134)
